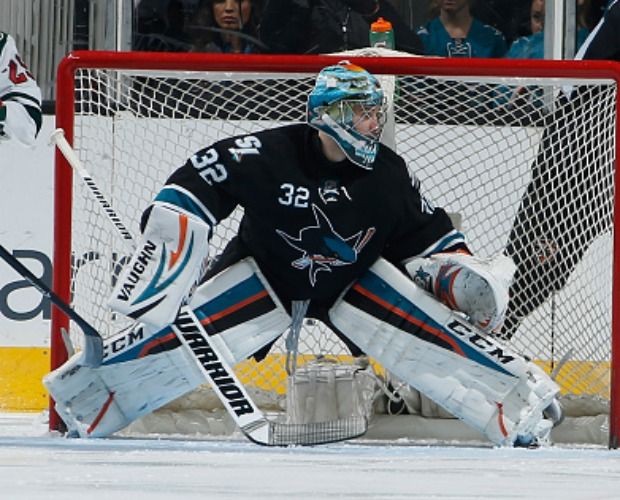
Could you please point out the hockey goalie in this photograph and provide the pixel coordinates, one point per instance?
(334, 228)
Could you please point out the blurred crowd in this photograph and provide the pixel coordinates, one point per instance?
(449, 28)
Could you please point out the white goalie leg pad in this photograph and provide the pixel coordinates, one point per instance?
(435, 350)
(239, 305)
(163, 269)
(475, 286)
(144, 368)
(96, 402)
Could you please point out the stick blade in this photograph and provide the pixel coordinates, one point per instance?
(309, 434)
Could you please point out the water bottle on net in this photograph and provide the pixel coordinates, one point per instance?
(382, 34)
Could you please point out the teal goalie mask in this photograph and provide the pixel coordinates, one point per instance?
(343, 95)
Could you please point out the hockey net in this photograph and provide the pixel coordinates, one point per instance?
(496, 143)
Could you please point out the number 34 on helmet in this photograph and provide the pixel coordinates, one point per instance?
(347, 103)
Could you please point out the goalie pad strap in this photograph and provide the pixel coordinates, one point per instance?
(430, 347)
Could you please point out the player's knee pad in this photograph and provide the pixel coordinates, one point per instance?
(472, 285)
(166, 264)
(144, 368)
(430, 347)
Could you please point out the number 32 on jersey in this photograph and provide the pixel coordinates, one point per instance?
(206, 162)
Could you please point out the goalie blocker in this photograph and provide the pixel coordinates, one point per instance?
(163, 269)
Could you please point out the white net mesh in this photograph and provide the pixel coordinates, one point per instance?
(529, 171)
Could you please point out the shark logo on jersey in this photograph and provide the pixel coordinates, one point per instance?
(323, 248)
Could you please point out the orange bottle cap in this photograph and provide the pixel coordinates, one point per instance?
(381, 25)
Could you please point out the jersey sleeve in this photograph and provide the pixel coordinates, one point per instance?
(521, 48)
(423, 229)
(201, 187)
(20, 96)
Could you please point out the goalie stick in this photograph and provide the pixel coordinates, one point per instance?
(58, 138)
(93, 343)
(248, 417)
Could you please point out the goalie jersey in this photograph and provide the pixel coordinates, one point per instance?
(20, 97)
(313, 226)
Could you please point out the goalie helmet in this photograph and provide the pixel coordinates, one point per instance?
(343, 95)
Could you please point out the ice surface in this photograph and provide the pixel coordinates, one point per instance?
(37, 465)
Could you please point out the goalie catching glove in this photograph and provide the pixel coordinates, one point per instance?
(472, 285)
(165, 266)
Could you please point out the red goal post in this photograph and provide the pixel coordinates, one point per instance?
(123, 110)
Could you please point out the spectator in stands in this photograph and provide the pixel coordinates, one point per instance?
(510, 17)
(533, 45)
(455, 32)
(161, 29)
(589, 12)
(537, 16)
(227, 26)
(584, 21)
(324, 26)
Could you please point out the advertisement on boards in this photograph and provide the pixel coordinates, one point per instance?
(26, 230)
